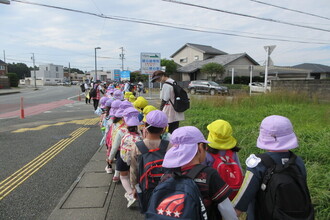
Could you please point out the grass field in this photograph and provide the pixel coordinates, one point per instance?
(310, 119)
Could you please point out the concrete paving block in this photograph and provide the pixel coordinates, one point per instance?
(79, 214)
(86, 198)
(95, 166)
(119, 202)
(94, 179)
(101, 156)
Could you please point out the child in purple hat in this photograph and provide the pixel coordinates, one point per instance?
(156, 123)
(118, 133)
(277, 137)
(189, 151)
(126, 145)
(116, 125)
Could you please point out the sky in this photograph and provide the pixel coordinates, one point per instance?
(62, 37)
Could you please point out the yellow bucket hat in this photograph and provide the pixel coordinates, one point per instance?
(127, 95)
(131, 98)
(146, 110)
(220, 135)
(140, 103)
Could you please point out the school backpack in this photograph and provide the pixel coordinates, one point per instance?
(181, 100)
(284, 194)
(229, 171)
(150, 170)
(126, 146)
(93, 92)
(178, 198)
(82, 87)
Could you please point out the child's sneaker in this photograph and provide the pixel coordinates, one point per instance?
(115, 179)
(108, 169)
(131, 200)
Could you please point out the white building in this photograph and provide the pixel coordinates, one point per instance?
(101, 75)
(49, 74)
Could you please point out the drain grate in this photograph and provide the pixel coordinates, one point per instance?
(59, 137)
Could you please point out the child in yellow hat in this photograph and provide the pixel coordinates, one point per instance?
(222, 154)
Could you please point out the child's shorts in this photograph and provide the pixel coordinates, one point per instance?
(120, 164)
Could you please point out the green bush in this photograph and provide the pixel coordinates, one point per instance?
(13, 79)
(311, 121)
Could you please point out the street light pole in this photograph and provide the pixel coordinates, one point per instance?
(34, 70)
(96, 48)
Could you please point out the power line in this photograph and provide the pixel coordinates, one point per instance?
(289, 9)
(133, 20)
(245, 15)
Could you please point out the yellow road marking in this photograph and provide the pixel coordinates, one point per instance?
(78, 122)
(21, 175)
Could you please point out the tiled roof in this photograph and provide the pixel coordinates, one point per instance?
(315, 68)
(2, 63)
(220, 59)
(203, 48)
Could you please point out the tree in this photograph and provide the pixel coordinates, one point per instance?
(136, 76)
(21, 69)
(13, 79)
(170, 65)
(73, 70)
(213, 70)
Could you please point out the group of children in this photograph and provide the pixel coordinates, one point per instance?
(146, 157)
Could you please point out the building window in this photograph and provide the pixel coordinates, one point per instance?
(184, 60)
(196, 57)
(56, 69)
(2, 68)
(46, 68)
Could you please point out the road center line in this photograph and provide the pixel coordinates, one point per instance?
(21, 175)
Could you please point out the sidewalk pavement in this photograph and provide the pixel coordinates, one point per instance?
(94, 196)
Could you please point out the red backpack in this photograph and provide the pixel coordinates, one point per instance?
(229, 171)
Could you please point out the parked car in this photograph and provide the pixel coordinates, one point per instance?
(210, 87)
(259, 87)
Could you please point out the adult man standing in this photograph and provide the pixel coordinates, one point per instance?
(167, 96)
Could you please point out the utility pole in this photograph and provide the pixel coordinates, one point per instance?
(269, 50)
(69, 72)
(122, 58)
(4, 60)
(34, 70)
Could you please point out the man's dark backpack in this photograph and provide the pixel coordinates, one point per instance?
(82, 87)
(284, 194)
(92, 93)
(178, 198)
(181, 100)
(150, 170)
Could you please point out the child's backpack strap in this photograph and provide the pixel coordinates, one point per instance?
(144, 149)
(195, 171)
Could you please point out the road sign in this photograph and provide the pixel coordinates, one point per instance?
(150, 62)
(116, 74)
(125, 75)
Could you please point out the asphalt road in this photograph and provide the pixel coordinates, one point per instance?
(40, 163)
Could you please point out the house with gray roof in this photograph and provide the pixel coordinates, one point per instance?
(189, 53)
(317, 71)
(3, 68)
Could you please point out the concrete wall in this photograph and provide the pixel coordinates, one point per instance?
(314, 88)
(4, 82)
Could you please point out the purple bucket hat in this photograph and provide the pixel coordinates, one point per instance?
(103, 101)
(131, 116)
(114, 107)
(123, 105)
(108, 102)
(157, 119)
(184, 141)
(118, 95)
(276, 133)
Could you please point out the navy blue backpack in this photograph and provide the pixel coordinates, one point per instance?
(178, 198)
